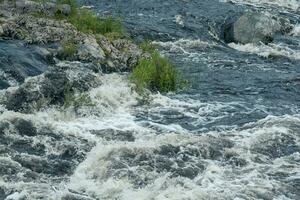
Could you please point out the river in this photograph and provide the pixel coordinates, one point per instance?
(233, 133)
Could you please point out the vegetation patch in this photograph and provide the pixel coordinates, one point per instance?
(156, 74)
(148, 47)
(69, 49)
(87, 21)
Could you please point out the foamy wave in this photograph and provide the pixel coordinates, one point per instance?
(124, 170)
(276, 50)
(290, 4)
(296, 31)
(182, 45)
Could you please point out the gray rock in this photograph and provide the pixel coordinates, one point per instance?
(1, 31)
(51, 87)
(65, 9)
(114, 135)
(28, 6)
(252, 27)
(90, 50)
(49, 8)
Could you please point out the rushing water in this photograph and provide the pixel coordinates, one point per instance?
(234, 133)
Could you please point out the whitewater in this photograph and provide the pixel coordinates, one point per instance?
(233, 133)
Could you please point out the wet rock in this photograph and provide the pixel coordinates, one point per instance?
(2, 193)
(185, 160)
(19, 61)
(45, 166)
(52, 87)
(1, 31)
(114, 135)
(25, 127)
(253, 27)
(39, 30)
(8, 167)
(90, 50)
(121, 55)
(75, 196)
(113, 56)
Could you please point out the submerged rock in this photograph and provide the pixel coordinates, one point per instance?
(114, 135)
(253, 27)
(51, 88)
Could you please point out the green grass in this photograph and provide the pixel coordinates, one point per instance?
(87, 21)
(148, 47)
(69, 49)
(156, 74)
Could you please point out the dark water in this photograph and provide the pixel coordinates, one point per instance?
(232, 134)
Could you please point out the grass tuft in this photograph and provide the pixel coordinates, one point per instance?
(69, 49)
(156, 74)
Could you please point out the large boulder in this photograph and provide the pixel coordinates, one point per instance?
(254, 27)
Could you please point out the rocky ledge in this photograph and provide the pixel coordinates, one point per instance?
(18, 20)
(76, 59)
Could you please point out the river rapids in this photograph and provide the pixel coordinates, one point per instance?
(233, 133)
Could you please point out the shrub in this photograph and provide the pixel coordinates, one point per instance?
(156, 74)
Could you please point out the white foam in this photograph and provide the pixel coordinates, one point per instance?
(263, 50)
(289, 4)
(296, 31)
(179, 20)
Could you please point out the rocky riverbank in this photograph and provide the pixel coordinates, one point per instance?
(67, 50)
(19, 20)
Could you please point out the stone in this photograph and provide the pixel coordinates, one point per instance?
(113, 135)
(252, 27)
(51, 87)
(1, 30)
(65, 9)
(28, 6)
(49, 8)
(90, 50)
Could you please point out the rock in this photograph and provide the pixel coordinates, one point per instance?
(117, 56)
(122, 55)
(90, 50)
(114, 135)
(51, 87)
(28, 6)
(1, 31)
(65, 9)
(252, 27)
(49, 8)
(24, 127)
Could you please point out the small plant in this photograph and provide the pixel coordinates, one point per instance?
(86, 21)
(148, 47)
(156, 74)
(69, 49)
